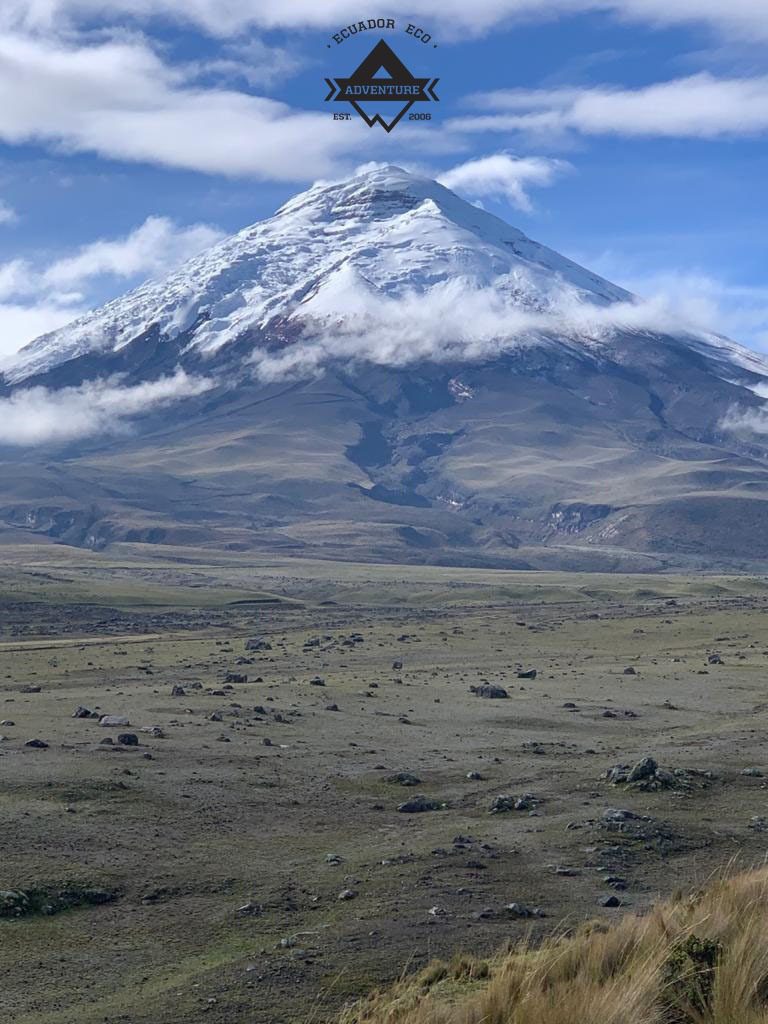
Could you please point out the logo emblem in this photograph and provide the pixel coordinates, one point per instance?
(366, 88)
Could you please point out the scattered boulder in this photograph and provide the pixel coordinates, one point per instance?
(397, 666)
(419, 804)
(37, 744)
(617, 814)
(504, 802)
(178, 691)
(317, 681)
(646, 775)
(644, 769)
(347, 894)
(258, 643)
(530, 673)
(715, 659)
(610, 901)
(83, 712)
(235, 677)
(31, 689)
(113, 721)
(128, 739)
(754, 773)
(630, 671)
(521, 910)
(490, 691)
(404, 779)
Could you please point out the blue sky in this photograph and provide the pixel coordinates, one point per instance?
(628, 134)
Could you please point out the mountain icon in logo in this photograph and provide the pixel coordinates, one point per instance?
(367, 88)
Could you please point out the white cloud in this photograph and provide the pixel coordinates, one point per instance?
(119, 100)
(503, 176)
(36, 299)
(698, 106)
(154, 248)
(21, 323)
(740, 18)
(35, 416)
(252, 62)
(452, 322)
(738, 311)
(746, 421)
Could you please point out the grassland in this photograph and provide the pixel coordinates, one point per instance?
(215, 843)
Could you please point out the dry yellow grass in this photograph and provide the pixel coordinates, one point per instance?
(701, 959)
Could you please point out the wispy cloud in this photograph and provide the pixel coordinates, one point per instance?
(741, 18)
(155, 247)
(698, 106)
(35, 299)
(503, 176)
(38, 416)
(120, 100)
(696, 296)
(453, 321)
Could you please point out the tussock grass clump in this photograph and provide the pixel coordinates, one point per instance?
(701, 959)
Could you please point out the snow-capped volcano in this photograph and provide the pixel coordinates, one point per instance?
(329, 253)
(383, 371)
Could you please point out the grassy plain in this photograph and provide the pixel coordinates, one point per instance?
(253, 785)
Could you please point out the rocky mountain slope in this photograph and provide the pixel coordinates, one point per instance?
(382, 371)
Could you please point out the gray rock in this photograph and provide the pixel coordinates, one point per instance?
(258, 643)
(521, 910)
(347, 894)
(609, 901)
(504, 802)
(37, 744)
(418, 804)
(644, 769)
(113, 721)
(178, 691)
(128, 739)
(754, 773)
(83, 712)
(404, 779)
(489, 691)
(530, 673)
(619, 814)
